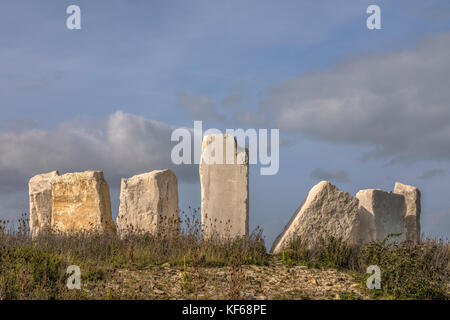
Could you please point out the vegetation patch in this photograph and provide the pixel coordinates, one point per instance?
(408, 270)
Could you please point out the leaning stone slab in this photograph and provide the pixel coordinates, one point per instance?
(326, 212)
(224, 184)
(412, 203)
(40, 193)
(149, 203)
(81, 202)
(388, 211)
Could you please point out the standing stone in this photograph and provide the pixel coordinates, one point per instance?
(224, 183)
(149, 203)
(388, 211)
(326, 212)
(412, 203)
(40, 192)
(81, 202)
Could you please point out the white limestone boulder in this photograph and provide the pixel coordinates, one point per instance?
(149, 203)
(40, 196)
(224, 179)
(326, 212)
(81, 202)
(413, 207)
(388, 211)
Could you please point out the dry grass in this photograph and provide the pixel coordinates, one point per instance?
(408, 271)
(183, 266)
(35, 269)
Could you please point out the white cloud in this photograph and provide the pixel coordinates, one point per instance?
(398, 103)
(125, 145)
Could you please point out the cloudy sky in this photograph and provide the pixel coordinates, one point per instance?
(362, 108)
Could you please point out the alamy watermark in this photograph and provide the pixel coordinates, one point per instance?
(74, 281)
(73, 22)
(374, 281)
(259, 149)
(373, 22)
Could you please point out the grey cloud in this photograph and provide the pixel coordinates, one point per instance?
(398, 103)
(436, 223)
(251, 118)
(11, 202)
(233, 99)
(124, 145)
(13, 205)
(198, 107)
(432, 173)
(335, 175)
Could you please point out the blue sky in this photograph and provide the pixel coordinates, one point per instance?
(363, 108)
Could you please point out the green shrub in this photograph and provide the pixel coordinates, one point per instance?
(28, 272)
(408, 271)
(330, 253)
(35, 269)
(412, 271)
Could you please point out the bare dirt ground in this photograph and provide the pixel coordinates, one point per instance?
(274, 281)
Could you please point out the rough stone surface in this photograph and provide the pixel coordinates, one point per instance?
(326, 212)
(412, 203)
(224, 186)
(81, 202)
(272, 281)
(40, 192)
(388, 211)
(149, 203)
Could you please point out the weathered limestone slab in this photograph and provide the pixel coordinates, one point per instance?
(412, 203)
(224, 183)
(388, 211)
(40, 193)
(326, 212)
(149, 203)
(81, 202)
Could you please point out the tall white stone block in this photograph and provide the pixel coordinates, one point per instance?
(413, 207)
(224, 179)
